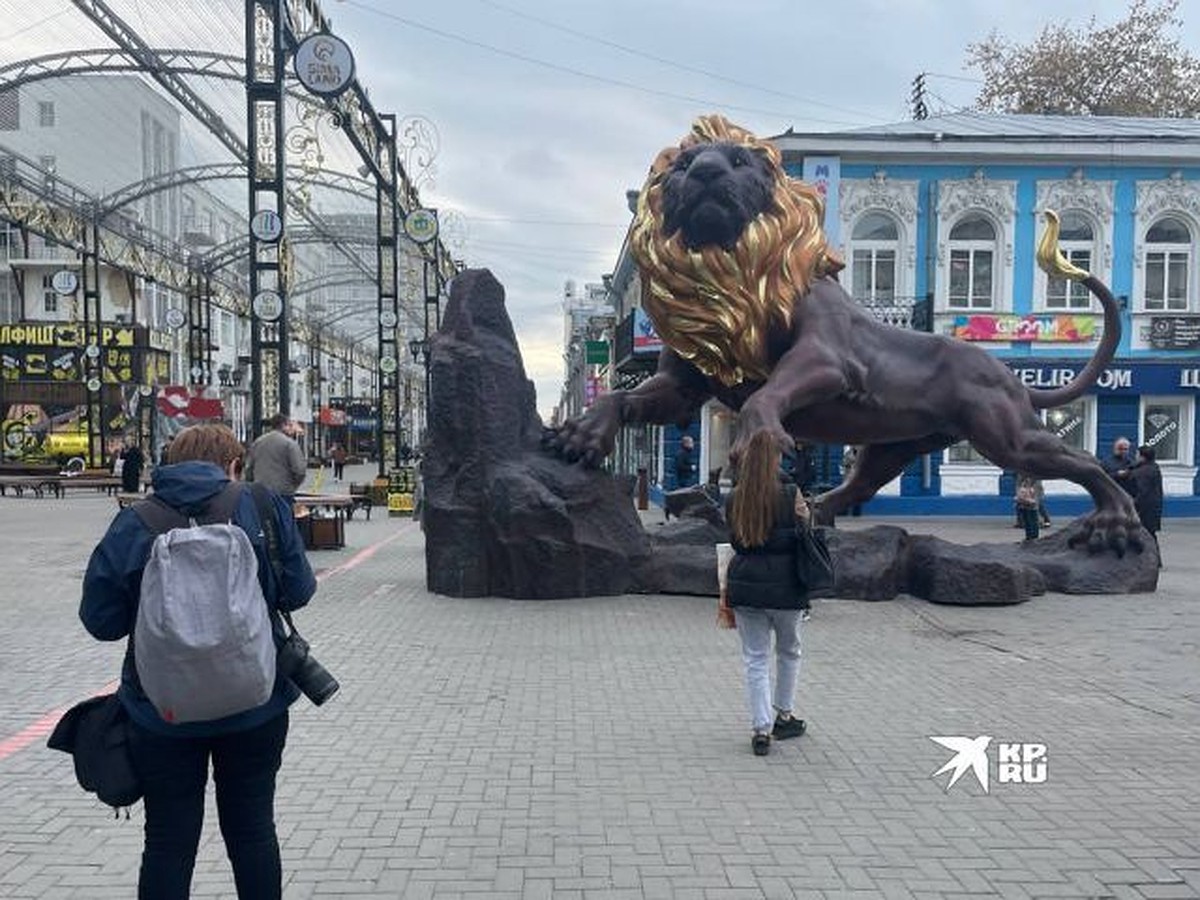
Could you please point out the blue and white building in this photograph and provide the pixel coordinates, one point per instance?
(939, 220)
(942, 216)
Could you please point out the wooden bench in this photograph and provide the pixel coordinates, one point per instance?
(39, 484)
(110, 484)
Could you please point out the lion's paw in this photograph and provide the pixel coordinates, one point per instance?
(1103, 530)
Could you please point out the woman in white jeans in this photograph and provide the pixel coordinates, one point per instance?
(764, 591)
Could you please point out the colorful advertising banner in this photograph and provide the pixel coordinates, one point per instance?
(34, 352)
(1046, 329)
(645, 338)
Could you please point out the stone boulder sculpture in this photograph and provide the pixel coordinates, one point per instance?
(502, 518)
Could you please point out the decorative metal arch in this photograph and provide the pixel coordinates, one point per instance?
(113, 60)
(223, 255)
(138, 190)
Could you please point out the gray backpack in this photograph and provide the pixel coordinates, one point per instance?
(203, 643)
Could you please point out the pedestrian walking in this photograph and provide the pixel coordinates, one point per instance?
(685, 464)
(245, 748)
(1148, 496)
(275, 459)
(765, 593)
(1027, 505)
(337, 456)
(133, 461)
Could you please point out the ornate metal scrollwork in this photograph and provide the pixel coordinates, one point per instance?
(418, 142)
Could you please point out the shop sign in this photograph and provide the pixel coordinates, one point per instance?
(824, 173)
(324, 64)
(31, 335)
(1047, 329)
(596, 353)
(645, 336)
(1174, 333)
(330, 416)
(1133, 378)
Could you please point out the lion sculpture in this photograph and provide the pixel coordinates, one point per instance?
(738, 281)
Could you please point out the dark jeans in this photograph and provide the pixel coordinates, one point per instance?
(1028, 515)
(339, 470)
(174, 772)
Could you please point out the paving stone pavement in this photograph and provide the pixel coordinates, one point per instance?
(597, 749)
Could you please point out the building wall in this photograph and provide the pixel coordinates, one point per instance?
(927, 198)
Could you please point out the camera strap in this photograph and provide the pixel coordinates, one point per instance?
(266, 515)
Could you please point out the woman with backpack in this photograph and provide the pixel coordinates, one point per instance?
(171, 755)
(764, 590)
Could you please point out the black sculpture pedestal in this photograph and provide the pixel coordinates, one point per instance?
(503, 518)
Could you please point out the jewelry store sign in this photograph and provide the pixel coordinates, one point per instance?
(1145, 378)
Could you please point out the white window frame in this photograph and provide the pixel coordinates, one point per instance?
(47, 115)
(896, 199)
(972, 247)
(1078, 298)
(1168, 252)
(1170, 197)
(1187, 420)
(995, 201)
(873, 247)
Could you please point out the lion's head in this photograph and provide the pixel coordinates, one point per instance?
(725, 242)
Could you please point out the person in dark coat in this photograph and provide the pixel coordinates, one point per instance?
(764, 591)
(133, 461)
(685, 465)
(1147, 479)
(245, 749)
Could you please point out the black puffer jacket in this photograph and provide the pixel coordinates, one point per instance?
(764, 577)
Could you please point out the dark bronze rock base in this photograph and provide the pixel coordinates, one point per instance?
(880, 562)
(502, 518)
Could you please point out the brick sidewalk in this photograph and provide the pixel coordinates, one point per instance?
(597, 748)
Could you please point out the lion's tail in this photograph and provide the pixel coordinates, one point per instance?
(1052, 261)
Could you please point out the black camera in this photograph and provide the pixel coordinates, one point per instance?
(306, 673)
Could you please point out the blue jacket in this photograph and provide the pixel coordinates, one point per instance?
(114, 578)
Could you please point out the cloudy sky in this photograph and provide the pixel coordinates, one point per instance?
(547, 111)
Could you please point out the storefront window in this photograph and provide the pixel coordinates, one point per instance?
(721, 422)
(1072, 423)
(1165, 426)
(964, 452)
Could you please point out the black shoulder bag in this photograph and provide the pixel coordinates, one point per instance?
(814, 563)
(96, 734)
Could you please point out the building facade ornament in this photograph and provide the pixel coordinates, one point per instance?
(996, 201)
(897, 199)
(1174, 196)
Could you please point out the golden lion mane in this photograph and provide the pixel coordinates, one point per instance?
(715, 307)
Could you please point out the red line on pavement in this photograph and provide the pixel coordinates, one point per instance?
(38, 729)
(43, 726)
(362, 555)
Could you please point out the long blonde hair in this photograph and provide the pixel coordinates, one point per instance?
(752, 508)
(715, 307)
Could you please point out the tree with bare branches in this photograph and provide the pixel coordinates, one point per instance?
(1135, 67)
